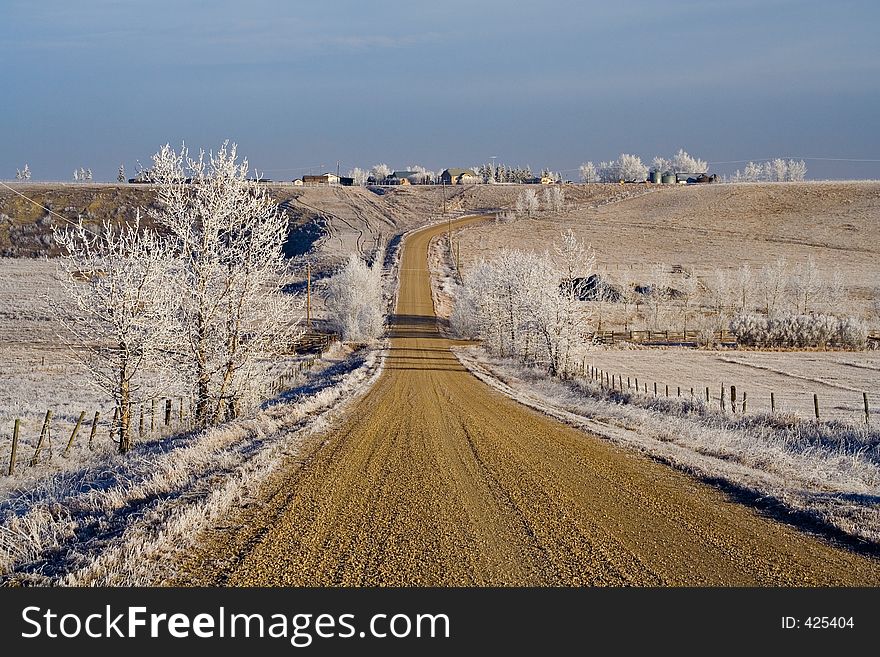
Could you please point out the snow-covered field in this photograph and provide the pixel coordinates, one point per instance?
(839, 379)
(824, 475)
(38, 373)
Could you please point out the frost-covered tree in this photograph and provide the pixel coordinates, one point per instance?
(684, 163)
(687, 287)
(742, 287)
(354, 300)
(121, 299)
(23, 174)
(776, 170)
(379, 172)
(721, 290)
(609, 172)
(661, 165)
(120, 175)
(796, 170)
(631, 168)
(76, 175)
(589, 173)
(528, 306)
(753, 172)
(527, 203)
(657, 293)
(359, 176)
(772, 286)
(808, 286)
(228, 235)
(554, 198)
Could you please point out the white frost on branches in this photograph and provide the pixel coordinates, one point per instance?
(354, 300)
(379, 172)
(776, 170)
(23, 174)
(527, 203)
(530, 306)
(627, 168)
(684, 163)
(121, 300)
(228, 236)
(359, 176)
(554, 198)
(589, 173)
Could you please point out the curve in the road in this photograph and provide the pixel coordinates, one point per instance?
(436, 479)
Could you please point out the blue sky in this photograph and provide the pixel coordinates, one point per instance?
(300, 84)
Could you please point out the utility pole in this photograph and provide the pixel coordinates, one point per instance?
(308, 296)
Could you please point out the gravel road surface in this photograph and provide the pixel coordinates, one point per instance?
(436, 479)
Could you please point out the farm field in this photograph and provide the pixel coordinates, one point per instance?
(837, 378)
(710, 227)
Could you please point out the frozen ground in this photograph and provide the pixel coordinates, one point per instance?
(838, 378)
(38, 373)
(115, 520)
(709, 227)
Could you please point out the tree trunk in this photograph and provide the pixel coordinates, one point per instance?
(202, 375)
(125, 442)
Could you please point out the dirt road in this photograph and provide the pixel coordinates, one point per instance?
(436, 479)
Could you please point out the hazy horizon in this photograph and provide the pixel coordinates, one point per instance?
(302, 87)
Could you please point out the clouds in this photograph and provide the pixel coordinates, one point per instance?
(538, 82)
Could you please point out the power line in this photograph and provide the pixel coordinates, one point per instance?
(40, 205)
(797, 157)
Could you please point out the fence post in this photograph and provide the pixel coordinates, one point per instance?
(152, 415)
(667, 389)
(14, 454)
(637, 384)
(73, 434)
(772, 403)
(43, 433)
(816, 405)
(94, 428)
(707, 395)
(141, 423)
(745, 397)
(180, 413)
(867, 417)
(655, 388)
(646, 387)
(722, 398)
(628, 385)
(733, 399)
(113, 422)
(167, 412)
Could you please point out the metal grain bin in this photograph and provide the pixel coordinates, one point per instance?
(668, 179)
(656, 176)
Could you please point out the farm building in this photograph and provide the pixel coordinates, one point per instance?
(405, 178)
(458, 176)
(323, 179)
